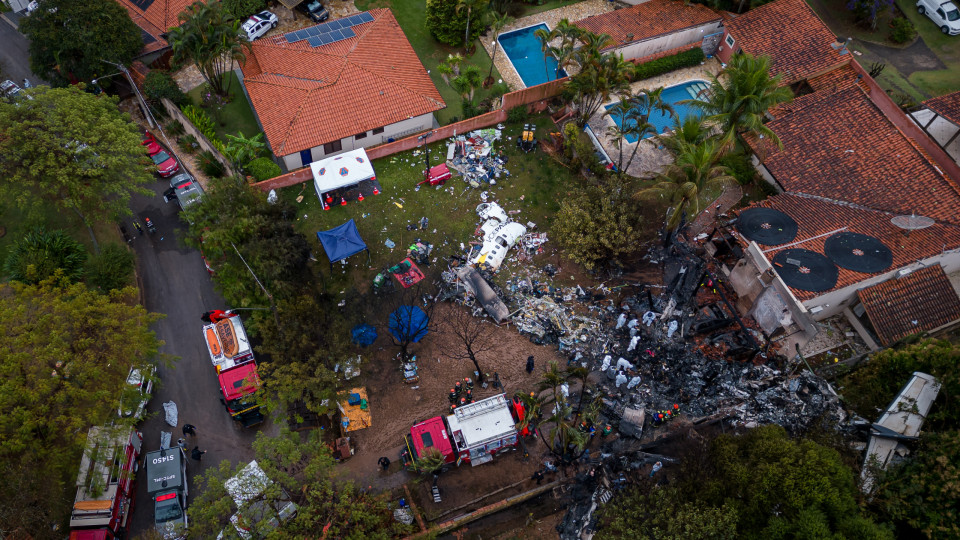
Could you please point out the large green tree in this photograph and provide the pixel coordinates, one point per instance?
(740, 96)
(662, 514)
(210, 38)
(600, 76)
(447, 24)
(300, 470)
(70, 39)
(72, 149)
(40, 254)
(65, 351)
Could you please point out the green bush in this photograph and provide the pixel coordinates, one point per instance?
(202, 121)
(692, 57)
(174, 128)
(517, 114)
(189, 143)
(160, 84)
(241, 9)
(210, 165)
(448, 26)
(903, 30)
(469, 109)
(111, 269)
(263, 169)
(40, 254)
(740, 168)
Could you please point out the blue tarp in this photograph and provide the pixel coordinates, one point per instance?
(363, 335)
(408, 323)
(342, 241)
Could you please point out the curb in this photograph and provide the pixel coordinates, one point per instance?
(8, 21)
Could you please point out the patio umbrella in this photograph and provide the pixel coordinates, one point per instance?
(408, 323)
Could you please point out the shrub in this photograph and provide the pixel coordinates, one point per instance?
(160, 84)
(903, 30)
(40, 254)
(189, 143)
(446, 25)
(175, 128)
(241, 9)
(263, 169)
(210, 165)
(111, 269)
(740, 168)
(689, 58)
(469, 109)
(517, 114)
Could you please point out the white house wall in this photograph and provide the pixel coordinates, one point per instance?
(639, 49)
(394, 131)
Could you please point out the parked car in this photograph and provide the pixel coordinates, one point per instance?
(150, 143)
(180, 179)
(314, 9)
(259, 24)
(9, 89)
(943, 14)
(185, 190)
(166, 165)
(136, 393)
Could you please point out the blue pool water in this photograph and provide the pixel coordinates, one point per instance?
(523, 50)
(671, 95)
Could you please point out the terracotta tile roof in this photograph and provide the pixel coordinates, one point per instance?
(156, 19)
(922, 300)
(841, 146)
(817, 218)
(828, 83)
(306, 96)
(791, 34)
(647, 20)
(947, 106)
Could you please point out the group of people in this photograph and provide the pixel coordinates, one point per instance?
(191, 431)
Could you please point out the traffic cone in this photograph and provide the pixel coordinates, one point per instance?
(360, 198)
(329, 198)
(343, 202)
(376, 191)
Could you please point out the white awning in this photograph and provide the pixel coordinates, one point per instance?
(342, 170)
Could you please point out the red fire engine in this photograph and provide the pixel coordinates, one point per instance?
(232, 356)
(106, 484)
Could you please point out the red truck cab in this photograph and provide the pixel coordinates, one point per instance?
(106, 484)
(232, 357)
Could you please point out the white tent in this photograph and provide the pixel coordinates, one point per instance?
(340, 171)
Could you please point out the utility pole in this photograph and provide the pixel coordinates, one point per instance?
(146, 110)
(273, 303)
(426, 149)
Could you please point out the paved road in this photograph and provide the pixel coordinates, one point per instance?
(14, 56)
(175, 283)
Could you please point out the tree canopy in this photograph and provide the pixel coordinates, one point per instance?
(209, 37)
(65, 351)
(40, 254)
(447, 24)
(70, 39)
(72, 149)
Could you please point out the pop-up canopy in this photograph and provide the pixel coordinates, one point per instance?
(340, 171)
(342, 241)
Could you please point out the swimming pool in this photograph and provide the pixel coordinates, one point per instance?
(525, 53)
(671, 95)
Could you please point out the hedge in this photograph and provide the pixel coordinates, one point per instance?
(667, 64)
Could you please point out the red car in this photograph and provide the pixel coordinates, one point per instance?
(150, 143)
(166, 165)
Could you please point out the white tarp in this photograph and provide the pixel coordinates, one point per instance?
(341, 170)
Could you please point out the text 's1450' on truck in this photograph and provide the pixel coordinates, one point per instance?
(232, 356)
(106, 484)
(167, 486)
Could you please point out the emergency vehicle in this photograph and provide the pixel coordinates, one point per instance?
(106, 484)
(167, 486)
(232, 357)
(474, 433)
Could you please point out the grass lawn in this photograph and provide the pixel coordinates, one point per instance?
(411, 14)
(536, 186)
(518, 10)
(842, 21)
(947, 49)
(235, 116)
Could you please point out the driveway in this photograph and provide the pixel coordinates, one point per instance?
(916, 57)
(175, 283)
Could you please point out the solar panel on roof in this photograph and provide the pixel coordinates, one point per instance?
(351, 20)
(348, 33)
(326, 38)
(314, 41)
(334, 25)
(291, 37)
(324, 27)
(302, 34)
(336, 35)
(314, 31)
(365, 17)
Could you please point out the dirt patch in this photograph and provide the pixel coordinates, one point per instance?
(916, 57)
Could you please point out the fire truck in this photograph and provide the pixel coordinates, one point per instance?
(232, 357)
(106, 484)
(474, 433)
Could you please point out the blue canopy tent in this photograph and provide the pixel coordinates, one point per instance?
(408, 324)
(363, 335)
(342, 241)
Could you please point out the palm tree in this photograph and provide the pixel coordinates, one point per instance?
(645, 103)
(625, 120)
(599, 78)
(497, 22)
(545, 37)
(469, 5)
(740, 104)
(685, 181)
(468, 82)
(690, 131)
(209, 37)
(445, 71)
(454, 61)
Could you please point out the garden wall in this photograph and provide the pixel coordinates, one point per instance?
(205, 144)
(535, 97)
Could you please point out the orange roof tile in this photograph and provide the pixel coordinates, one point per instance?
(818, 219)
(647, 20)
(841, 146)
(947, 106)
(156, 19)
(308, 96)
(791, 34)
(922, 300)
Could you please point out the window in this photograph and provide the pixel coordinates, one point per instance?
(427, 440)
(305, 157)
(729, 40)
(332, 147)
(359, 136)
(377, 131)
(941, 13)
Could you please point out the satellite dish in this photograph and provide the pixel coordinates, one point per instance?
(912, 222)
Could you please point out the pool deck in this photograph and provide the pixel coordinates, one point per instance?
(573, 13)
(650, 158)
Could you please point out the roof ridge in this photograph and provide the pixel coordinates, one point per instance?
(855, 206)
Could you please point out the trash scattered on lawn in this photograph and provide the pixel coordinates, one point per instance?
(474, 158)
